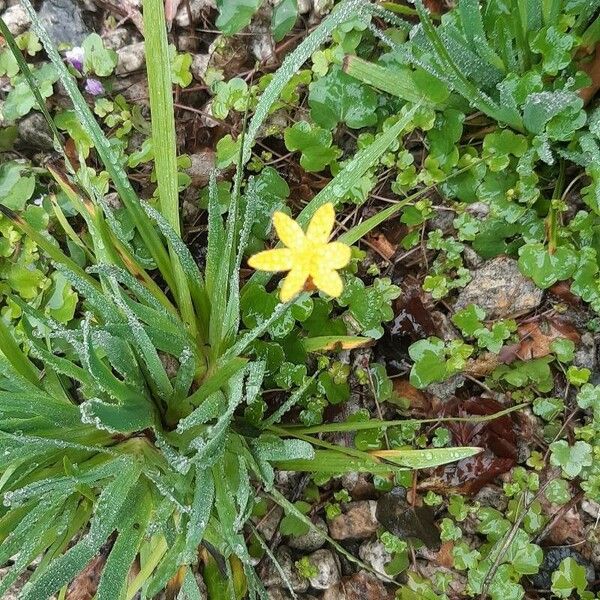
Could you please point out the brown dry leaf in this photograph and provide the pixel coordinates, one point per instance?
(537, 336)
(443, 556)
(562, 290)
(382, 245)
(413, 317)
(482, 365)
(84, 586)
(418, 400)
(497, 437)
(592, 68)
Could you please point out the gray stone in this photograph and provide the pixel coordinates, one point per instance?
(445, 390)
(187, 43)
(360, 586)
(501, 290)
(262, 44)
(275, 593)
(312, 540)
(117, 38)
(197, 7)
(273, 578)
(199, 66)
(34, 131)
(322, 7)
(131, 58)
(63, 20)
(304, 6)
(267, 526)
(16, 19)
(203, 163)
(591, 508)
(356, 522)
(328, 569)
(585, 355)
(374, 554)
(472, 259)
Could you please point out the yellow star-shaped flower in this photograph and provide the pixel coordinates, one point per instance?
(307, 255)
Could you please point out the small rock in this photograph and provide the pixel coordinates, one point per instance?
(304, 6)
(275, 593)
(501, 290)
(263, 47)
(134, 89)
(585, 355)
(273, 577)
(360, 586)
(34, 131)
(312, 540)
(375, 555)
(359, 485)
(478, 209)
(117, 38)
(16, 19)
(63, 20)
(199, 66)
(407, 521)
(443, 220)
(328, 568)
(591, 508)
(131, 58)
(552, 559)
(592, 537)
(267, 525)
(356, 522)
(203, 163)
(492, 496)
(472, 259)
(445, 390)
(197, 7)
(187, 43)
(322, 7)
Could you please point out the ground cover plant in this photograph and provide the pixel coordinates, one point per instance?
(409, 410)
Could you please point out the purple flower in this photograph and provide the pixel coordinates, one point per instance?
(94, 87)
(74, 57)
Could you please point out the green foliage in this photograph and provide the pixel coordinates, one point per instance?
(569, 576)
(470, 319)
(339, 98)
(98, 60)
(314, 143)
(572, 459)
(436, 361)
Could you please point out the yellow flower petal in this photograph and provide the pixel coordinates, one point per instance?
(328, 281)
(336, 255)
(293, 284)
(279, 259)
(321, 225)
(289, 232)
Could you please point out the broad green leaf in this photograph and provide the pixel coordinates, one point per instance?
(340, 98)
(284, 18)
(314, 144)
(235, 14)
(97, 58)
(544, 268)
